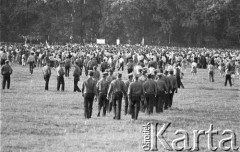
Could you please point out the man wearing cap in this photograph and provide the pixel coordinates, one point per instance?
(135, 92)
(46, 74)
(110, 78)
(161, 89)
(6, 71)
(173, 87)
(76, 75)
(60, 76)
(127, 83)
(117, 89)
(31, 61)
(102, 88)
(150, 93)
(88, 92)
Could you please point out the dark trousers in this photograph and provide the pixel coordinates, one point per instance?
(142, 105)
(171, 98)
(211, 76)
(6, 79)
(228, 78)
(102, 102)
(60, 81)
(86, 70)
(149, 102)
(130, 70)
(126, 107)
(76, 88)
(121, 66)
(179, 82)
(67, 69)
(135, 106)
(31, 66)
(166, 101)
(88, 103)
(117, 104)
(46, 78)
(160, 101)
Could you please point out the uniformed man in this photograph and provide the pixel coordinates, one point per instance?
(60, 77)
(127, 83)
(117, 89)
(46, 74)
(110, 78)
(150, 93)
(6, 71)
(31, 61)
(166, 95)
(173, 87)
(102, 88)
(88, 92)
(161, 90)
(135, 92)
(76, 75)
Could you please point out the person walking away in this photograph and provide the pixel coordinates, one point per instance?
(102, 88)
(150, 93)
(135, 92)
(117, 89)
(127, 83)
(3, 58)
(88, 92)
(31, 61)
(161, 90)
(173, 87)
(76, 75)
(60, 77)
(6, 71)
(46, 74)
(121, 63)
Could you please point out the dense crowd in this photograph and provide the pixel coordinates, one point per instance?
(154, 72)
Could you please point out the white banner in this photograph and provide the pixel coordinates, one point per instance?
(100, 41)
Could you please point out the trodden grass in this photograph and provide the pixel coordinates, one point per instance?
(34, 120)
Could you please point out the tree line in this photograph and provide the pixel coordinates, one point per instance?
(159, 22)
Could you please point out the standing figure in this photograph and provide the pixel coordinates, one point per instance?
(127, 104)
(117, 89)
(135, 92)
(6, 71)
(76, 75)
(60, 76)
(150, 93)
(88, 92)
(102, 88)
(31, 61)
(46, 74)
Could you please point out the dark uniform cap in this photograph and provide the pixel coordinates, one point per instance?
(119, 74)
(90, 72)
(149, 74)
(7, 61)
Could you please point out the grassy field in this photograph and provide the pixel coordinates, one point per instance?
(34, 120)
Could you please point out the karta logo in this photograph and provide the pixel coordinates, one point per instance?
(152, 136)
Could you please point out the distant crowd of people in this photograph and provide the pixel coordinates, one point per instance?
(154, 72)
